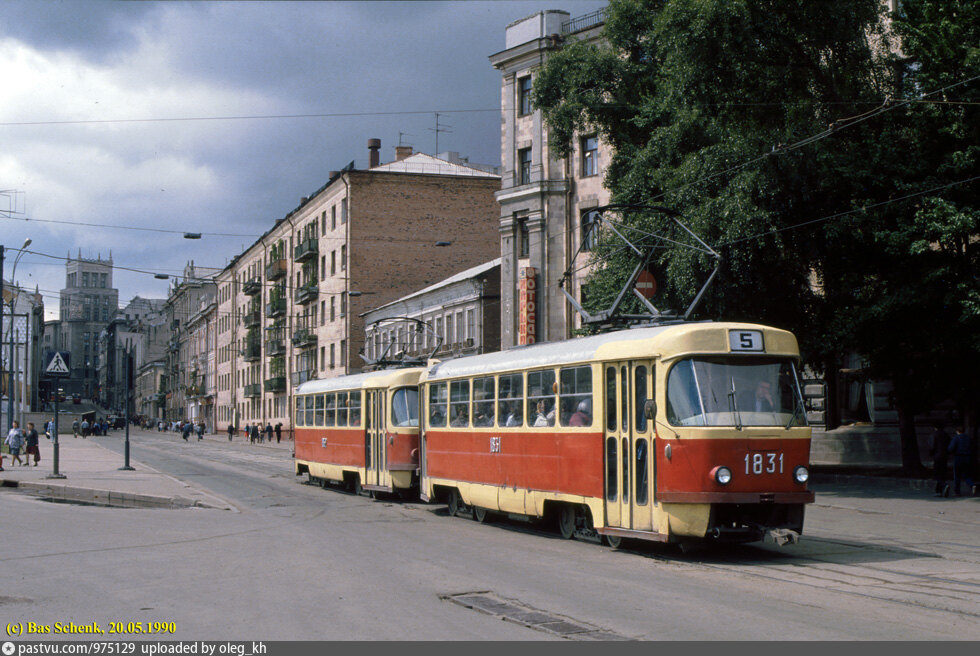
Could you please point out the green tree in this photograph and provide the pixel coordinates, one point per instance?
(757, 120)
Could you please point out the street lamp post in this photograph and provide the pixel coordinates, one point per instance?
(129, 387)
(10, 331)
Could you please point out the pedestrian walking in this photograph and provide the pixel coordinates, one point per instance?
(251, 433)
(200, 431)
(278, 432)
(15, 440)
(186, 431)
(85, 427)
(231, 430)
(960, 449)
(49, 428)
(268, 432)
(32, 445)
(75, 426)
(940, 456)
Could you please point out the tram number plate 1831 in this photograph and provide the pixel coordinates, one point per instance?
(764, 463)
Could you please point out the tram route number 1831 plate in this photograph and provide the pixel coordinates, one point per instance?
(746, 340)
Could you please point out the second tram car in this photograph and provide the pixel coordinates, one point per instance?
(360, 430)
(668, 433)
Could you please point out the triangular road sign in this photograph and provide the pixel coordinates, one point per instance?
(57, 365)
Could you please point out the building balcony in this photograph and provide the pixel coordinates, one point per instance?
(253, 318)
(253, 351)
(252, 287)
(254, 390)
(307, 293)
(275, 308)
(304, 337)
(194, 390)
(276, 384)
(276, 269)
(306, 250)
(300, 377)
(275, 347)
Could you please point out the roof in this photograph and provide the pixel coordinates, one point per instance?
(380, 378)
(472, 272)
(621, 344)
(422, 163)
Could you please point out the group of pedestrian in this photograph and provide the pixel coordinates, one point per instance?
(17, 439)
(960, 448)
(186, 428)
(85, 428)
(255, 433)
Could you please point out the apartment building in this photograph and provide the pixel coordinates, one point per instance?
(289, 307)
(547, 203)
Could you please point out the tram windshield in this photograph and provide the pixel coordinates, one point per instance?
(405, 407)
(734, 392)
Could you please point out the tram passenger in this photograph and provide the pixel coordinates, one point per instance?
(460, 420)
(545, 417)
(482, 418)
(583, 415)
(514, 417)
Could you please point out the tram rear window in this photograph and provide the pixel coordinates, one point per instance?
(734, 392)
(405, 407)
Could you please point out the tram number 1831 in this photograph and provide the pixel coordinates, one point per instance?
(764, 463)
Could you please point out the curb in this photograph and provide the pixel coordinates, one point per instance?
(104, 497)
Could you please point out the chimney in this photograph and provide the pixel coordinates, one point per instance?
(374, 145)
(401, 152)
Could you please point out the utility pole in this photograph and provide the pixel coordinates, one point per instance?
(129, 388)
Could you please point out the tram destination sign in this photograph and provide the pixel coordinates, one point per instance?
(58, 364)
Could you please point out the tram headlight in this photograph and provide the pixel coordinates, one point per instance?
(801, 474)
(723, 475)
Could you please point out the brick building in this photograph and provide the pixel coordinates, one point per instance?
(289, 308)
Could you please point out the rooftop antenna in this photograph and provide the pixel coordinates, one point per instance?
(438, 129)
(644, 253)
(404, 134)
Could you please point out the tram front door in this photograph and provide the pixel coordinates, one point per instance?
(375, 456)
(628, 438)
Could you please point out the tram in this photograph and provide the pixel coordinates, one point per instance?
(361, 431)
(670, 433)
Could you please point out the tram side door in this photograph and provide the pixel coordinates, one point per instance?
(627, 386)
(374, 439)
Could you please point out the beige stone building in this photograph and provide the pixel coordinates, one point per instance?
(546, 202)
(289, 308)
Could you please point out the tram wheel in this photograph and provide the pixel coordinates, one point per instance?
(613, 541)
(454, 502)
(566, 521)
(481, 515)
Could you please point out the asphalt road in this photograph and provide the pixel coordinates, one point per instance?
(296, 562)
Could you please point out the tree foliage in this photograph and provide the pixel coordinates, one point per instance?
(776, 128)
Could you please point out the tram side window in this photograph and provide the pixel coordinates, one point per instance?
(611, 398)
(300, 413)
(483, 401)
(611, 465)
(355, 409)
(309, 411)
(541, 398)
(318, 411)
(511, 401)
(459, 403)
(342, 409)
(405, 407)
(575, 396)
(331, 410)
(438, 402)
(640, 398)
(641, 472)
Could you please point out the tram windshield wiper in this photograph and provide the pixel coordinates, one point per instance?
(796, 411)
(733, 406)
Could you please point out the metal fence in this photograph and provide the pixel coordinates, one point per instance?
(579, 23)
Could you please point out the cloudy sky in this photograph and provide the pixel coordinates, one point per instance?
(217, 117)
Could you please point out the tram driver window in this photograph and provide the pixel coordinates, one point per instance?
(405, 407)
(438, 404)
(541, 398)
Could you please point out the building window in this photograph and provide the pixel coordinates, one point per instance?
(323, 357)
(471, 325)
(343, 353)
(323, 223)
(323, 312)
(343, 257)
(85, 279)
(323, 267)
(343, 304)
(524, 96)
(333, 262)
(332, 355)
(524, 166)
(523, 238)
(590, 229)
(590, 156)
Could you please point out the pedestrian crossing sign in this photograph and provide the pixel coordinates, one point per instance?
(58, 364)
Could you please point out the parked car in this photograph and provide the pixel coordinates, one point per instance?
(76, 398)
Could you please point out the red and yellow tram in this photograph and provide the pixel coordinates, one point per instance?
(667, 433)
(360, 430)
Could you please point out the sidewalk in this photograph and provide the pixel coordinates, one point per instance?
(92, 475)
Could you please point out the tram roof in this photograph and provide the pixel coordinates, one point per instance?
(584, 349)
(378, 378)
